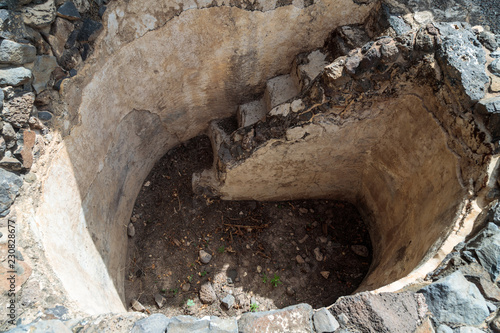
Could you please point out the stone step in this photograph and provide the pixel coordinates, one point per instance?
(251, 112)
(279, 90)
(307, 66)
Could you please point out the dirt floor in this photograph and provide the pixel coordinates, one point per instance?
(267, 255)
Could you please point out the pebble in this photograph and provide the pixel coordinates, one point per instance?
(303, 239)
(290, 291)
(228, 301)
(323, 239)
(133, 219)
(137, 306)
(299, 259)
(259, 269)
(325, 274)
(303, 210)
(360, 250)
(318, 255)
(205, 257)
(131, 230)
(186, 287)
(160, 300)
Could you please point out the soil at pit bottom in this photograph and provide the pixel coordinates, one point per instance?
(254, 245)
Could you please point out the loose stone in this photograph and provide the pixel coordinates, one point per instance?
(207, 293)
(205, 257)
(137, 306)
(131, 230)
(160, 300)
(228, 301)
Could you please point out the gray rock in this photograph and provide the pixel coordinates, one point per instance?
(41, 15)
(462, 59)
(228, 301)
(182, 324)
(495, 67)
(131, 230)
(227, 325)
(205, 257)
(207, 293)
(488, 39)
(1, 99)
(68, 11)
(489, 109)
(156, 323)
(11, 25)
(495, 54)
(160, 300)
(42, 326)
(16, 53)
(60, 31)
(324, 321)
(8, 131)
(444, 329)
(44, 66)
(486, 245)
(455, 300)
(44, 115)
(14, 76)
(10, 184)
(382, 312)
(296, 318)
(89, 31)
(17, 110)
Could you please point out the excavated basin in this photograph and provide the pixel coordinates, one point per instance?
(157, 79)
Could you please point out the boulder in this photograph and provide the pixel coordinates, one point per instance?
(382, 312)
(296, 318)
(16, 53)
(455, 300)
(324, 321)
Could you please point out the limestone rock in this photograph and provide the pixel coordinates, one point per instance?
(462, 58)
(205, 257)
(16, 53)
(44, 65)
(455, 300)
(40, 16)
(18, 109)
(10, 184)
(156, 323)
(324, 321)
(207, 293)
(69, 11)
(468, 329)
(296, 318)
(382, 312)
(14, 76)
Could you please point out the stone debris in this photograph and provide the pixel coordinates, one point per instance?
(324, 321)
(160, 300)
(16, 53)
(325, 274)
(205, 257)
(318, 255)
(296, 318)
(40, 16)
(207, 293)
(69, 11)
(228, 301)
(360, 250)
(299, 259)
(186, 287)
(131, 230)
(14, 76)
(137, 306)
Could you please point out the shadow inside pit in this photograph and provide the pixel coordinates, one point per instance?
(274, 254)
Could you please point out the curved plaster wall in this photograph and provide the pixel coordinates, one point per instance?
(159, 75)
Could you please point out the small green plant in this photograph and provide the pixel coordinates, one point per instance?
(264, 278)
(254, 307)
(163, 290)
(190, 277)
(174, 290)
(190, 302)
(275, 281)
(221, 249)
(202, 274)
